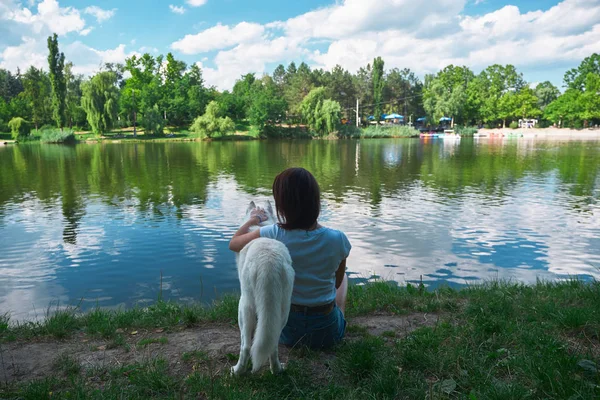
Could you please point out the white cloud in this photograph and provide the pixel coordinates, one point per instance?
(250, 57)
(219, 37)
(177, 9)
(405, 34)
(196, 3)
(87, 60)
(86, 31)
(50, 17)
(100, 14)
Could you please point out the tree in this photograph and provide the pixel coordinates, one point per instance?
(566, 110)
(212, 123)
(321, 114)
(37, 93)
(378, 85)
(153, 122)
(56, 65)
(495, 81)
(100, 100)
(10, 85)
(576, 78)
(546, 93)
(526, 104)
(445, 95)
(266, 105)
(74, 114)
(19, 127)
(403, 91)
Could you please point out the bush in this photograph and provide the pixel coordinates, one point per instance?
(390, 132)
(4, 126)
(349, 132)
(211, 123)
(465, 130)
(280, 132)
(514, 125)
(58, 136)
(19, 127)
(153, 123)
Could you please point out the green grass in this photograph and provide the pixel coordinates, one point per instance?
(145, 342)
(499, 340)
(382, 131)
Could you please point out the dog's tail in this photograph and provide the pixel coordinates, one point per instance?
(266, 337)
(272, 309)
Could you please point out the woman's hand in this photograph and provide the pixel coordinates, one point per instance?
(258, 214)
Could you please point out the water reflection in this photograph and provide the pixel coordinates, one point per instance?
(103, 222)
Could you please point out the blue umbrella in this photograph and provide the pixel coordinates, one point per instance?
(445, 119)
(422, 119)
(394, 116)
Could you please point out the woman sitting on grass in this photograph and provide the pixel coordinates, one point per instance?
(318, 257)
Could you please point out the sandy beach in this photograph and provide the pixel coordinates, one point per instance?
(546, 133)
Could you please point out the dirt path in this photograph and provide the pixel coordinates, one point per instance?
(29, 360)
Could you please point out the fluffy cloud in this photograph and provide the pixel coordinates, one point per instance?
(251, 57)
(176, 9)
(100, 14)
(50, 17)
(196, 3)
(25, 44)
(219, 37)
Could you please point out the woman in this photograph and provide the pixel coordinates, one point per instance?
(318, 257)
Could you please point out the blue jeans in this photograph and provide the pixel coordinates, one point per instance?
(319, 331)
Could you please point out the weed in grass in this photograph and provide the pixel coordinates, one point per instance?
(196, 355)
(67, 365)
(389, 334)
(358, 360)
(61, 323)
(357, 330)
(4, 320)
(148, 341)
(118, 341)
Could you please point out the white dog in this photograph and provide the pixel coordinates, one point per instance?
(266, 280)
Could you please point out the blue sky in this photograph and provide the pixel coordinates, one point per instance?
(228, 38)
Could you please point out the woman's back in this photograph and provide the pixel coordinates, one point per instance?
(316, 256)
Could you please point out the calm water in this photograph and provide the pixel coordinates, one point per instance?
(100, 222)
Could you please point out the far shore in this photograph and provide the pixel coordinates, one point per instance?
(546, 133)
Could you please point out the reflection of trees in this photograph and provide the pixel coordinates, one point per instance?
(163, 177)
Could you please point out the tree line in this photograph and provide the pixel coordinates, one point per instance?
(152, 92)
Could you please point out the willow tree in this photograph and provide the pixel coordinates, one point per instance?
(56, 66)
(100, 100)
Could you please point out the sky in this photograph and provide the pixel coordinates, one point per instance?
(229, 38)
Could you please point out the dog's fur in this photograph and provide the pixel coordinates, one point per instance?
(266, 280)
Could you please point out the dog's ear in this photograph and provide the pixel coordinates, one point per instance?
(270, 208)
(251, 207)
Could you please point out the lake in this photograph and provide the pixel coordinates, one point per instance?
(118, 224)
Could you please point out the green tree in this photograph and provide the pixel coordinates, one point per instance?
(495, 81)
(73, 111)
(100, 100)
(37, 93)
(153, 122)
(212, 123)
(267, 106)
(445, 95)
(590, 98)
(403, 91)
(546, 93)
(19, 128)
(56, 65)
(10, 85)
(378, 85)
(566, 110)
(576, 78)
(322, 115)
(526, 104)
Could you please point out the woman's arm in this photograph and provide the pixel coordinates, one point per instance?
(242, 237)
(340, 273)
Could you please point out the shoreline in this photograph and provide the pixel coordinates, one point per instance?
(495, 339)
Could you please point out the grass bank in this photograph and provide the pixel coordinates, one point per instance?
(495, 341)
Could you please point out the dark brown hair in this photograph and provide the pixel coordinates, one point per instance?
(297, 199)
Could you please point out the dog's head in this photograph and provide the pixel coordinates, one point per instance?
(268, 210)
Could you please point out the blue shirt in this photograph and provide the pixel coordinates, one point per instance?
(316, 256)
